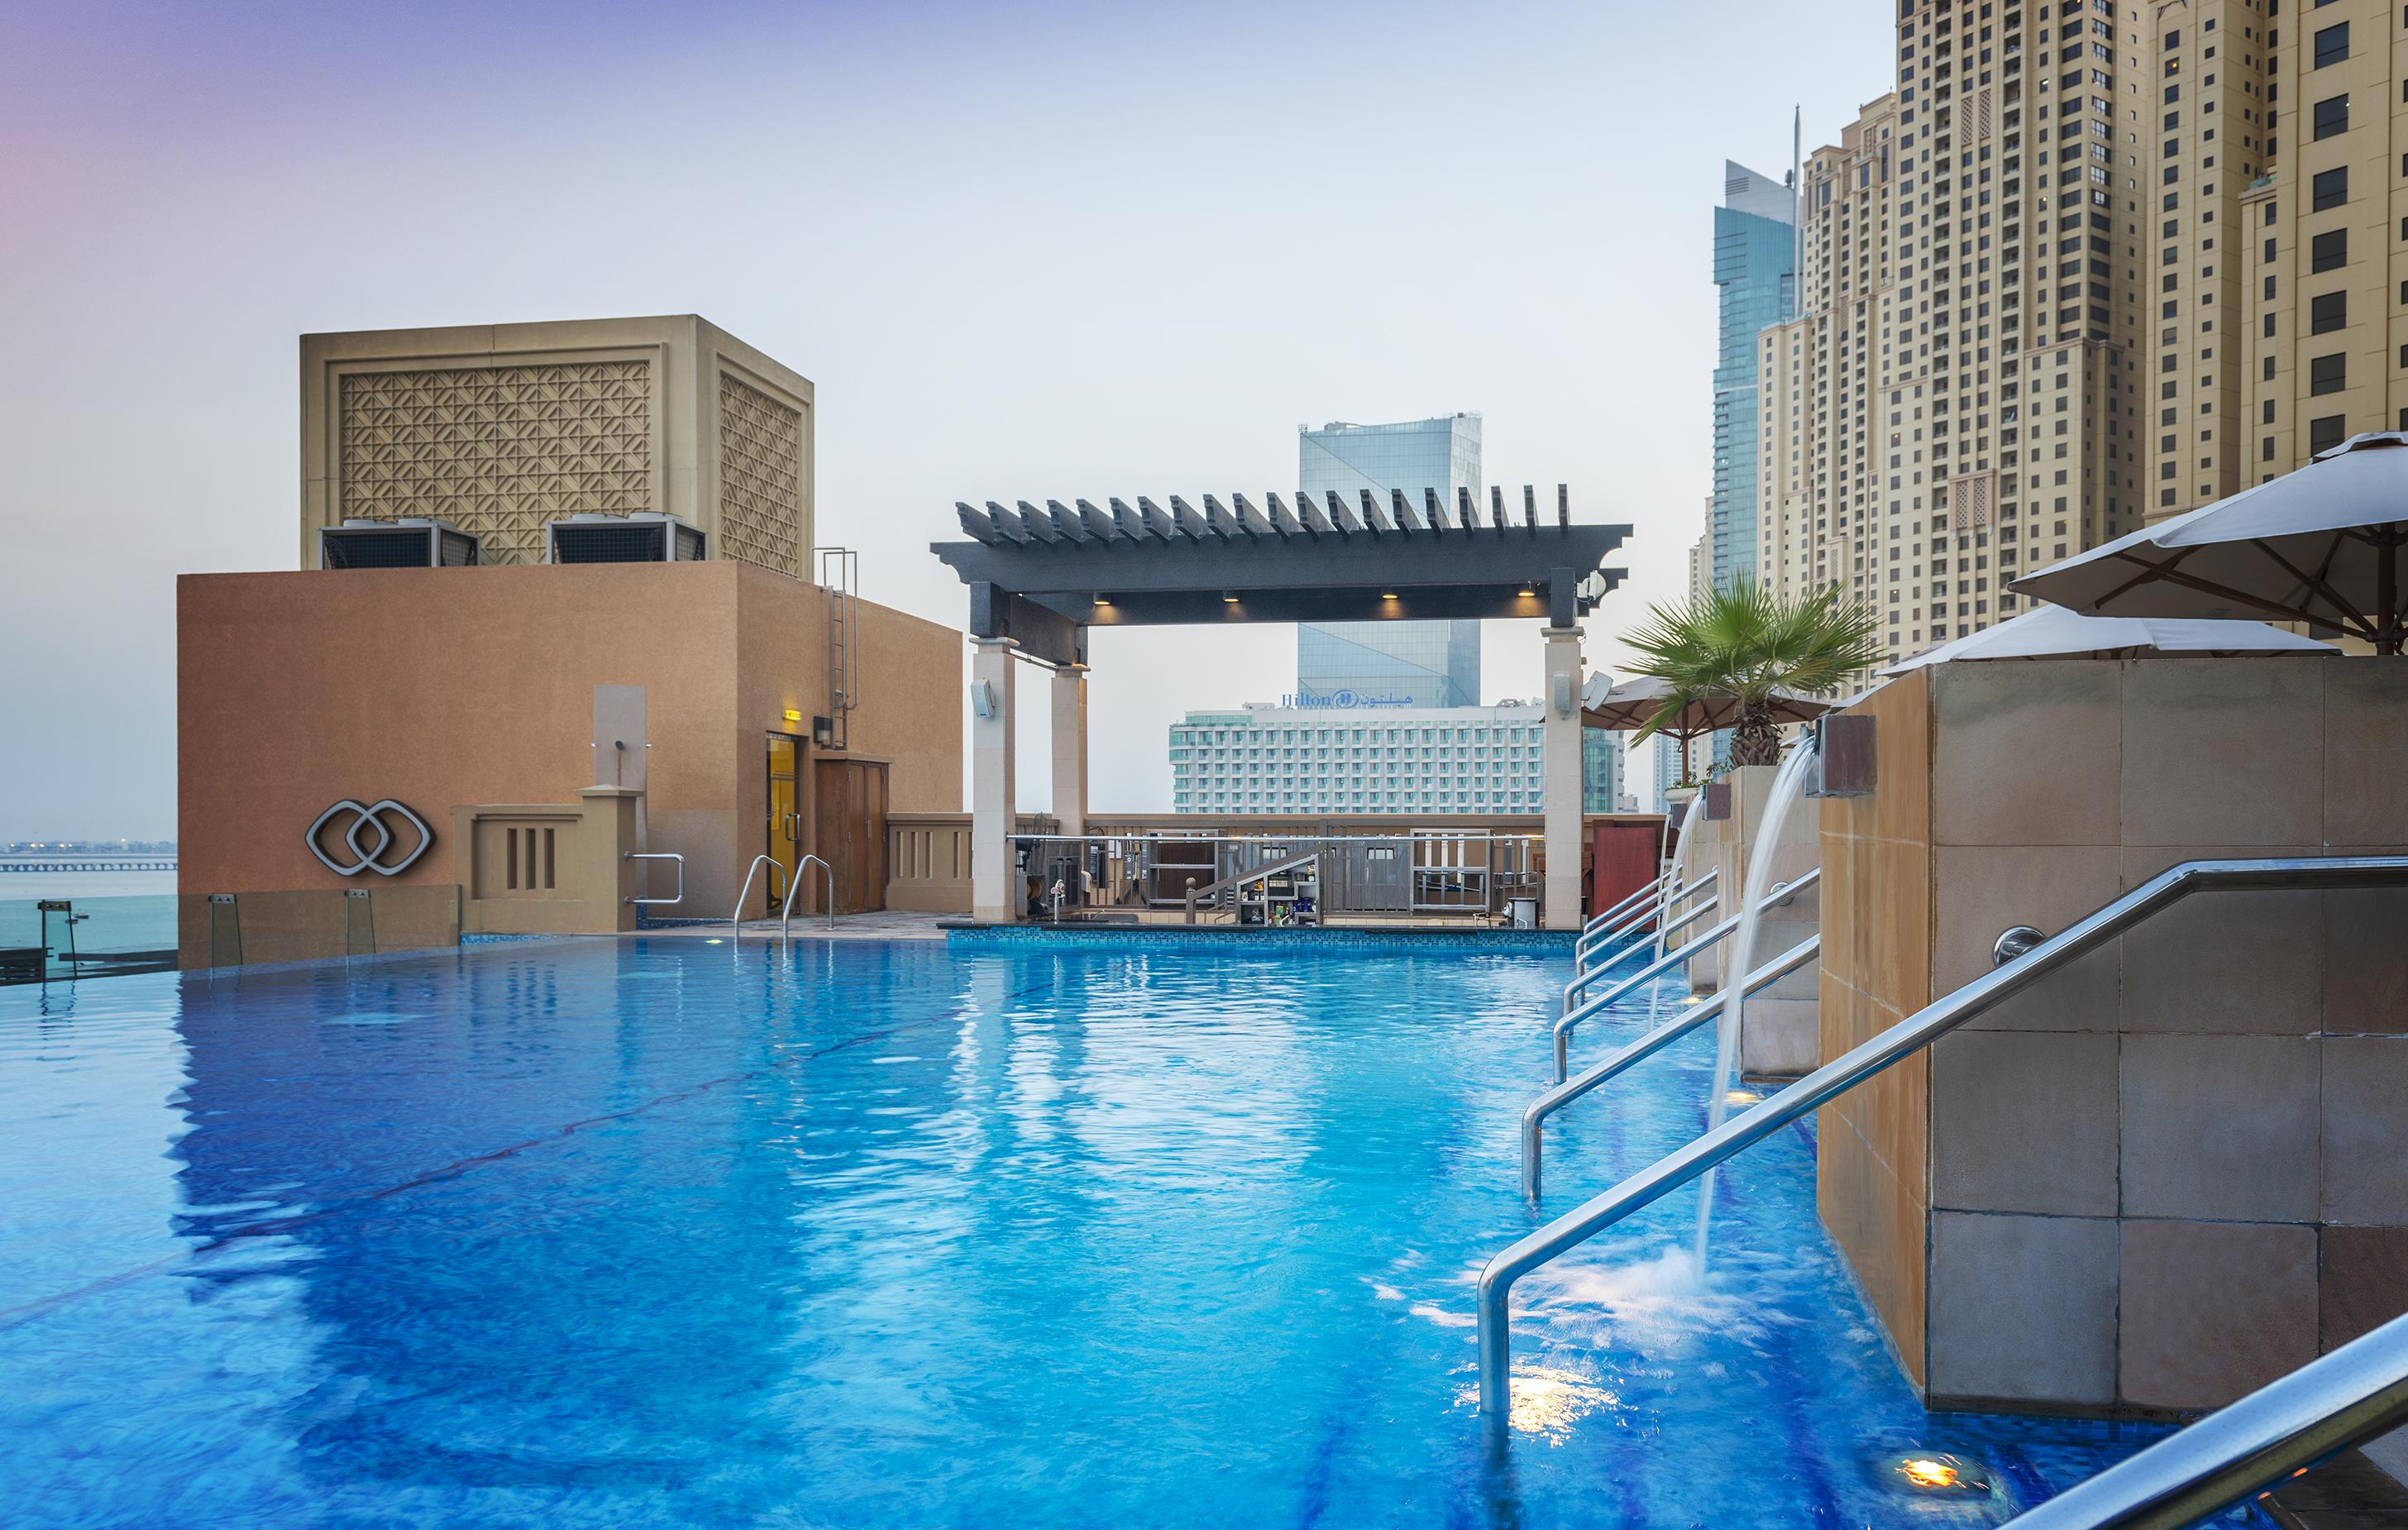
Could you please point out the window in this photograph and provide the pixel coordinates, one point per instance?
(2325, 434)
(2327, 312)
(2332, 116)
(2332, 188)
(2332, 45)
(2327, 251)
(2327, 373)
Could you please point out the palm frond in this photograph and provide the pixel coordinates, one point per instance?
(1750, 643)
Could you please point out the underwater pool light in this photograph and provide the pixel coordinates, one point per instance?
(1936, 1473)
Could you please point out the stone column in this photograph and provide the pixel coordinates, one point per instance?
(1563, 778)
(1071, 748)
(996, 884)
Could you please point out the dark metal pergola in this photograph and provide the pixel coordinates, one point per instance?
(1041, 577)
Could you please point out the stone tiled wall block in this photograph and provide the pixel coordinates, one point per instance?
(500, 428)
(2171, 1172)
(1778, 1023)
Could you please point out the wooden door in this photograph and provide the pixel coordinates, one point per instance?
(851, 819)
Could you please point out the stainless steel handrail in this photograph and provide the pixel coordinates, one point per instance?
(1581, 979)
(1627, 1057)
(1681, 892)
(736, 919)
(1589, 945)
(786, 910)
(1781, 892)
(1591, 941)
(657, 855)
(2327, 1406)
(1891, 1047)
(1598, 919)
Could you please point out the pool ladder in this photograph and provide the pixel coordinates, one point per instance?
(2349, 1396)
(786, 909)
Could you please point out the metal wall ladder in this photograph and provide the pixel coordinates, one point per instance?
(841, 576)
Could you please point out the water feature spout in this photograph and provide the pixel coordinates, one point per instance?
(1788, 785)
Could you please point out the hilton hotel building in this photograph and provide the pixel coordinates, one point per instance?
(2089, 265)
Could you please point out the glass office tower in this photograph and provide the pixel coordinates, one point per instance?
(1754, 266)
(1390, 664)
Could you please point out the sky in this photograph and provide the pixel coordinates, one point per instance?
(1022, 251)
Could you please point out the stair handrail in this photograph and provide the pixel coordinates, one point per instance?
(1780, 893)
(1239, 879)
(2284, 1428)
(786, 912)
(736, 919)
(1681, 892)
(1881, 1052)
(1581, 979)
(1627, 1057)
(1598, 919)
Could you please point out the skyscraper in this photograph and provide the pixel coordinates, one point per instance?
(1389, 663)
(1756, 244)
(1959, 396)
(2083, 268)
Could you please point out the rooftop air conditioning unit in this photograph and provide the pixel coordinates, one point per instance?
(648, 536)
(413, 543)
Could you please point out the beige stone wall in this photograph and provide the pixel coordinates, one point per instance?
(499, 428)
(2171, 1172)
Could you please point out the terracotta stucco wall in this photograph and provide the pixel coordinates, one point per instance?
(908, 716)
(442, 687)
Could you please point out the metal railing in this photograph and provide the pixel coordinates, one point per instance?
(2285, 1427)
(1414, 871)
(1891, 1047)
(1605, 916)
(1625, 1058)
(786, 910)
(736, 919)
(657, 855)
(1590, 944)
(1582, 979)
(1236, 886)
(1782, 892)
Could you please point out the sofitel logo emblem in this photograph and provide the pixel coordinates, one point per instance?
(366, 838)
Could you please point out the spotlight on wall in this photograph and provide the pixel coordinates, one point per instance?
(1229, 598)
(1103, 600)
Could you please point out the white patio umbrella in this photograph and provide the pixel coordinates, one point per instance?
(1636, 701)
(2321, 546)
(2052, 632)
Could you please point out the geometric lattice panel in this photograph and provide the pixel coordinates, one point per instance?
(498, 451)
(760, 479)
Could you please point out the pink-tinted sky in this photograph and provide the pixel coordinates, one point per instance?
(1024, 251)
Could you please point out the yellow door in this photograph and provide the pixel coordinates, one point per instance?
(785, 815)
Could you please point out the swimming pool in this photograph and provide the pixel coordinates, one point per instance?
(664, 1232)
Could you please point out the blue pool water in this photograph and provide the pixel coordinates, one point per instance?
(869, 1235)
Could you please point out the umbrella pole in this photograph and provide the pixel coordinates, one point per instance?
(2387, 594)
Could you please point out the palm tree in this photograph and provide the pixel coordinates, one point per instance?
(1750, 644)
